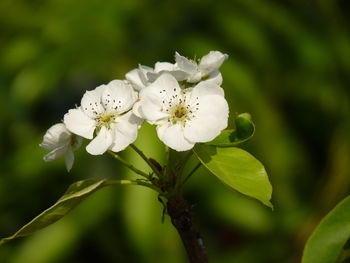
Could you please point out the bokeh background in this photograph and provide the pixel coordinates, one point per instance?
(289, 67)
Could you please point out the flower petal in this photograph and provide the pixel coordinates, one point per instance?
(101, 142)
(151, 108)
(173, 136)
(210, 119)
(154, 98)
(125, 131)
(79, 123)
(69, 158)
(136, 109)
(138, 77)
(205, 88)
(118, 96)
(56, 153)
(163, 66)
(133, 77)
(91, 102)
(57, 135)
(185, 64)
(215, 77)
(164, 86)
(212, 61)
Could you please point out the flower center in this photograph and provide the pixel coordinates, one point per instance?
(179, 113)
(106, 119)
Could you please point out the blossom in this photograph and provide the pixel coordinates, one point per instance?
(206, 68)
(183, 116)
(60, 142)
(105, 111)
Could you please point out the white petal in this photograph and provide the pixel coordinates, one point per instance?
(185, 64)
(76, 141)
(101, 142)
(57, 135)
(151, 108)
(118, 96)
(163, 66)
(210, 119)
(195, 77)
(125, 131)
(136, 109)
(91, 102)
(127, 123)
(165, 85)
(215, 77)
(173, 136)
(56, 153)
(79, 123)
(138, 77)
(205, 88)
(179, 75)
(212, 61)
(69, 158)
(154, 98)
(134, 78)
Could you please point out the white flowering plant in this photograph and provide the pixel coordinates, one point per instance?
(186, 103)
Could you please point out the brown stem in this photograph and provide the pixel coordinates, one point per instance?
(181, 217)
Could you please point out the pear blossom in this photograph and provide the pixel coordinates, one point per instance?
(206, 68)
(183, 116)
(61, 142)
(105, 111)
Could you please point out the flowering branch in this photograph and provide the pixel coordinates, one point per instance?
(186, 104)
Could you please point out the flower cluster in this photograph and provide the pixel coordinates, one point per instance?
(183, 100)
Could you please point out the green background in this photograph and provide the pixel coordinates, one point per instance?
(289, 66)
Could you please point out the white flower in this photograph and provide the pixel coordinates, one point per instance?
(60, 142)
(106, 110)
(208, 67)
(183, 116)
(185, 69)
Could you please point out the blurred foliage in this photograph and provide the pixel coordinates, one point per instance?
(289, 67)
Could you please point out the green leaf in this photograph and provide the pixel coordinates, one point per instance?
(76, 193)
(326, 242)
(237, 169)
(244, 131)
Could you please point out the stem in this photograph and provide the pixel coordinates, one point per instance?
(183, 162)
(144, 157)
(191, 173)
(181, 217)
(130, 166)
(137, 182)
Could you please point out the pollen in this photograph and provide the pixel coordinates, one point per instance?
(106, 119)
(179, 113)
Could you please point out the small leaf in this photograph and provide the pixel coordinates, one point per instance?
(237, 169)
(76, 193)
(244, 131)
(326, 242)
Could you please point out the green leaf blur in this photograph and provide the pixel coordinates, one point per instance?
(237, 169)
(326, 242)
